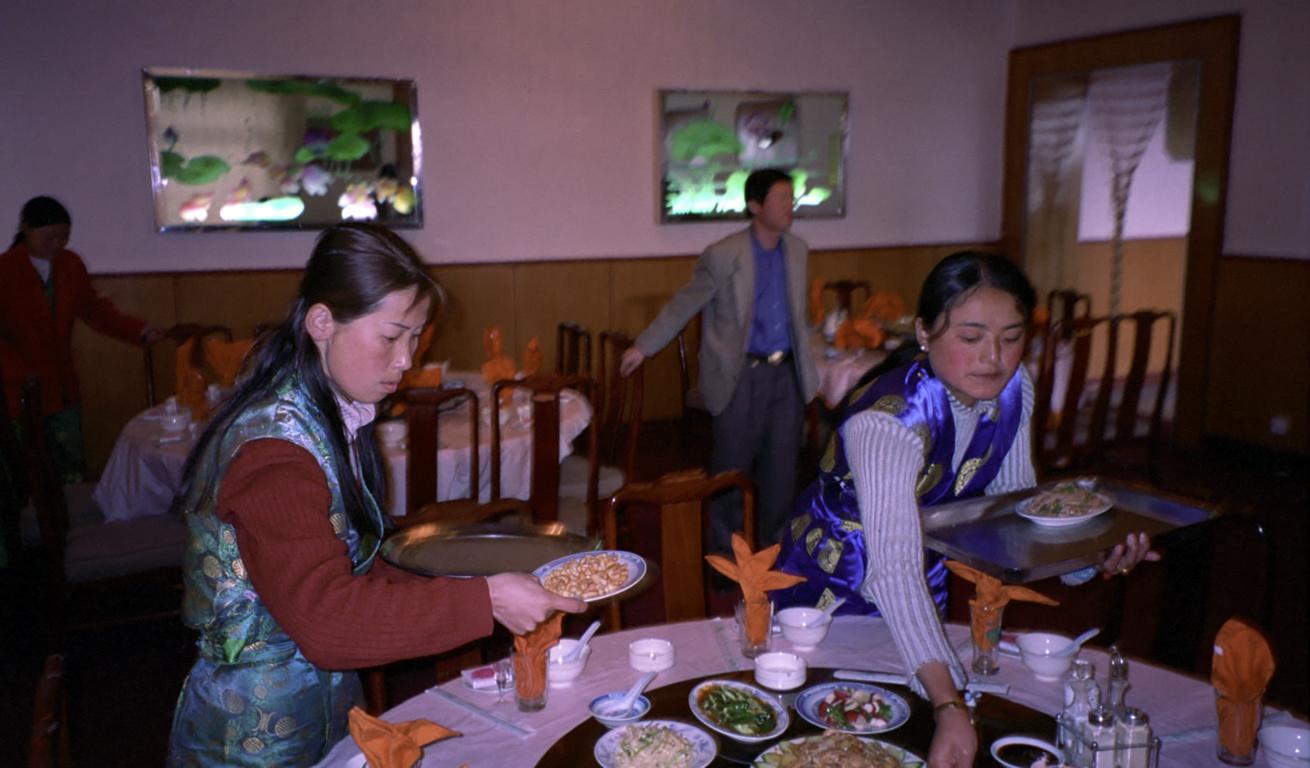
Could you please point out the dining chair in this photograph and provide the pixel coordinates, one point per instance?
(423, 406)
(616, 420)
(179, 334)
(689, 369)
(13, 481)
(845, 292)
(48, 745)
(545, 392)
(572, 349)
(679, 498)
(1102, 421)
(99, 573)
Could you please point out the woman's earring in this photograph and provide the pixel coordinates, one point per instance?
(923, 347)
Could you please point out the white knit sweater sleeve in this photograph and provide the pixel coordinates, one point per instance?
(885, 459)
(1017, 471)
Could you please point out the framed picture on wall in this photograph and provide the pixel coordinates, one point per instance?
(710, 141)
(238, 150)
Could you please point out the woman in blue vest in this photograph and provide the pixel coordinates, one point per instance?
(946, 420)
(283, 582)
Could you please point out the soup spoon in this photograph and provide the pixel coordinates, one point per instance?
(1077, 642)
(833, 606)
(577, 650)
(624, 705)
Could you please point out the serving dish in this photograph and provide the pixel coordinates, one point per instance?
(1023, 751)
(810, 705)
(443, 548)
(704, 699)
(704, 748)
(634, 563)
(1033, 508)
(775, 755)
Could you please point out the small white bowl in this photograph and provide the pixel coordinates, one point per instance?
(1286, 746)
(780, 671)
(804, 628)
(598, 705)
(391, 432)
(1035, 648)
(650, 654)
(560, 673)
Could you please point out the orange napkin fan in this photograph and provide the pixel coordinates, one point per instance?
(884, 307)
(394, 746)
(859, 333)
(225, 358)
(989, 599)
(1242, 668)
(530, 653)
(753, 572)
(190, 381)
(532, 357)
(816, 302)
(498, 367)
(418, 375)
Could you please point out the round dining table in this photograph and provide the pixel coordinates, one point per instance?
(144, 471)
(494, 733)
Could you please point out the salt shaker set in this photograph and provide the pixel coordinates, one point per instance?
(1103, 734)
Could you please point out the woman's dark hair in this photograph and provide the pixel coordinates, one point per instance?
(352, 269)
(38, 212)
(950, 282)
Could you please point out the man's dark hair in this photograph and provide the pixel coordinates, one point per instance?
(760, 182)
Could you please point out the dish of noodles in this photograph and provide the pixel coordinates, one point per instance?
(655, 744)
(592, 576)
(1067, 503)
(837, 750)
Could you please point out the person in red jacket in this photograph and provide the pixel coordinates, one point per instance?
(44, 287)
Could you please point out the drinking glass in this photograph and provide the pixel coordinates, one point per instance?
(1240, 720)
(749, 649)
(530, 679)
(504, 678)
(985, 631)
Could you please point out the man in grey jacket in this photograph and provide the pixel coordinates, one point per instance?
(756, 369)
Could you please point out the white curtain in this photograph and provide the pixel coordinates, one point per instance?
(1055, 172)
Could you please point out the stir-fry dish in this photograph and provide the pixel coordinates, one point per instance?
(832, 750)
(587, 577)
(1066, 500)
(654, 746)
(737, 710)
(854, 710)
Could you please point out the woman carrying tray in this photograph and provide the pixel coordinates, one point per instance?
(280, 494)
(946, 421)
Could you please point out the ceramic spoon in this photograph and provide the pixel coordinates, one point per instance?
(832, 608)
(582, 642)
(1077, 642)
(624, 705)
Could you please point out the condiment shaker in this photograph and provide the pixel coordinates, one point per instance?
(1080, 692)
(1117, 683)
(1133, 739)
(1100, 739)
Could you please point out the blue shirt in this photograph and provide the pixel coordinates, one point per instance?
(771, 325)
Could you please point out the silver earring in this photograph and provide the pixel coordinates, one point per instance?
(923, 347)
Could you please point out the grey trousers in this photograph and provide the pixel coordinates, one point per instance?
(758, 433)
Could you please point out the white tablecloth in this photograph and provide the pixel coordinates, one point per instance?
(143, 475)
(1181, 708)
(840, 369)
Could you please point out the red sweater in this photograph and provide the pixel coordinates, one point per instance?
(276, 496)
(34, 341)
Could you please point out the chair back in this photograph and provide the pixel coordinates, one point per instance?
(48, 746)
(689, 367)
(1066, 434)
(422, 422)
(845, 292)
(619, 408)
(572, 350)
(13, 479)
(545, 391)
(47, 494)
(179, 334)
(680, 498)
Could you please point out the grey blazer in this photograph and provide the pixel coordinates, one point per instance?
(722, 288)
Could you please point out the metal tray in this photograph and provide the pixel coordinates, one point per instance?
(480, 549)
(986, 533)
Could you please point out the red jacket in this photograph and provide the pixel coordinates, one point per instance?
(36, 342)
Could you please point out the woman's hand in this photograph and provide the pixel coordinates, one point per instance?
(1125, 557)
(520, 602)
(954, 742)
(150, 334)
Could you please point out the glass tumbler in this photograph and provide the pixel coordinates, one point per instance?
(1238, 723)
(749, 648)
(985, 631)
(530, 679)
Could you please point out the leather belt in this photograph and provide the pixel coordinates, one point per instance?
(773, 358)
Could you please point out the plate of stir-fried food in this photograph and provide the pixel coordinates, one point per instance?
(858, 708)
(738, 710)
(834, 749)
(1064, 504)
(592, 576)
(656, 744)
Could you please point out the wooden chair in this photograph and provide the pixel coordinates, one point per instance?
(616, 422)
(545, 392)
(693, 401)
(179, 334)
(422, 407)
(1110, 429)
(13, 481)
(572, 350)
(99, 573)
(680, 498)
(48, 746)
(845, 292)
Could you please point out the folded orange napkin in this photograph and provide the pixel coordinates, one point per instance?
(859, 333)
(225, 358)
(498, 367)
(816, 302)
(989, 599)
(532, 357)
(530, 653)
(399, 745)
(753, 572)
(1241, 670)
(884, 307)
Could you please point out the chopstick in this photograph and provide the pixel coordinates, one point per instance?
(521, 730)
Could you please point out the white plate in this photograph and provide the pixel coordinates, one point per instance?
(704, 748)
(908, 759)
(1021, 509)
(1024, 741)
(635, 563)
(807, 706)
(779, 711)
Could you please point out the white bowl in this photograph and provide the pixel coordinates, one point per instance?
(560, 673)
(804, 628)
(599, 704)
(650, 654)
(1286, 745)
(391, 431)
(779, 670)
(1036, 650)
(175, 421)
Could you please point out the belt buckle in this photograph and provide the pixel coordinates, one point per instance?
(775, 357)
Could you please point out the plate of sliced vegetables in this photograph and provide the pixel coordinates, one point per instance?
(738, 710)
(860, 708)
(1064, 504)
(836, 748)
(656, 744)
